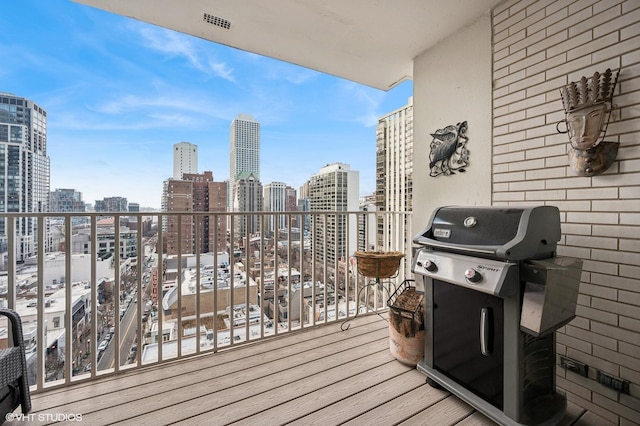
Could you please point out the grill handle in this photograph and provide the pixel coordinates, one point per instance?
(484, 331)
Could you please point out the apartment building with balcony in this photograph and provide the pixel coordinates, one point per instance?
(394, 166)
(335, 188)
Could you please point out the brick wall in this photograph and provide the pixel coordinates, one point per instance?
(539, 46)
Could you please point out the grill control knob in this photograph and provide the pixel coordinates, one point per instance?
(430, 266)
(472, 275)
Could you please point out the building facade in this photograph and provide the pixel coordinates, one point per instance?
(394, 167)
(275, 200)
(66, 200)
(185, 159)
(24, 169)
(244, 154)
(245, 146)
(335, 188)
(248, 198)
(291, 205)
(196, 193)
(112, 204)
(367, 229)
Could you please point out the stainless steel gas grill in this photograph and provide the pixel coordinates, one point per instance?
(494, 293)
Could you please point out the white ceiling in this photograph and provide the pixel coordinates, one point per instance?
(372, 42)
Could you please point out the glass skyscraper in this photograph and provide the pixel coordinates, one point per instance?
(24, 169)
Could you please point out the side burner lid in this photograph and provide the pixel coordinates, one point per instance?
(509, 233)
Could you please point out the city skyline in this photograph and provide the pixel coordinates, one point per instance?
(120, 93)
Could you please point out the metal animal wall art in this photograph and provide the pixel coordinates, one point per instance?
(448, 150)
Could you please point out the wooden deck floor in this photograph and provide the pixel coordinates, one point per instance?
(319, 376)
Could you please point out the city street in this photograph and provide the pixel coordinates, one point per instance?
(127, 330)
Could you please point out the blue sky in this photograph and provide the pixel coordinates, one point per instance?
(120, 93)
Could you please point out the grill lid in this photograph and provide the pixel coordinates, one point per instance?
(509, 233)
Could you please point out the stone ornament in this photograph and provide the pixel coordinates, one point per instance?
(588, 104)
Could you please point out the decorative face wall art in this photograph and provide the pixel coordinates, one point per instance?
(587, 105)
(448, 150)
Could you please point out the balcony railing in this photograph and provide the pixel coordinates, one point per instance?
(104, 292)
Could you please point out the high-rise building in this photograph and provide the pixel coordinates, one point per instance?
(249, 198)
(291, 205)
(185, 159)
(196, 193)
(245, 147)
(66, 200)
(335, 188)
(24, 169)
(394, 167)
(367, 224)
(163, 204)
(275, 200)
(245, 157)
(303, 191)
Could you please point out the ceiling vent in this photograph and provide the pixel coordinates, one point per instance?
(216, 20)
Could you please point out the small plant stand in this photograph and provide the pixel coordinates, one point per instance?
(377, 265)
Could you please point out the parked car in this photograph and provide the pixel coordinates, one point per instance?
(103, 345)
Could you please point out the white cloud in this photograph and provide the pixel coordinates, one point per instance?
(222, 70)
(291, 73)
(180, 45)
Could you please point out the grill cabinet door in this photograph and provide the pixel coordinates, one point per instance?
(459, 339)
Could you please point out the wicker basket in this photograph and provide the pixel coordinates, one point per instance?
(378, 264)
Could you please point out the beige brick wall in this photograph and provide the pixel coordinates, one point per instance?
(539, 46)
